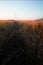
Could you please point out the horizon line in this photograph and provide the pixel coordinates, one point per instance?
(21, 19)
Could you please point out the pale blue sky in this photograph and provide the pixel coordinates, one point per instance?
(21, 9)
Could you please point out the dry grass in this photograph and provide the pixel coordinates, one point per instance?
(21, 43)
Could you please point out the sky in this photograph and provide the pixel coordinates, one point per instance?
(21, 9)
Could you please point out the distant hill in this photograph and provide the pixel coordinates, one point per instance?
(41, 19)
